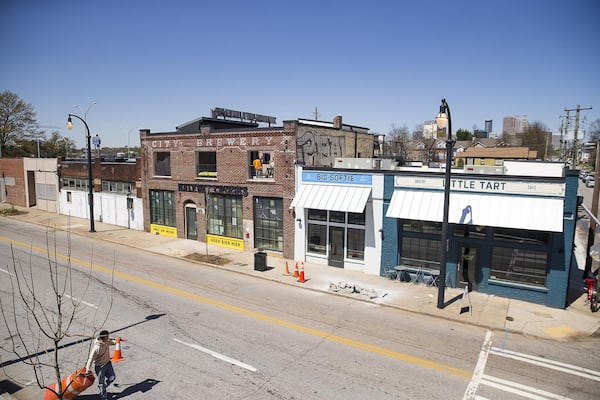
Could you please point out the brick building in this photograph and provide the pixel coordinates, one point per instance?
(12, 182)
(231, 182)
(228, 183)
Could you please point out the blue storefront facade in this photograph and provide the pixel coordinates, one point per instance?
(510, 235)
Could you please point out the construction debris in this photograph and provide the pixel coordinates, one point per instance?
(346, 288)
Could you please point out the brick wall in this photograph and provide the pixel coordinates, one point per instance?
(12, 170)
(233, 171)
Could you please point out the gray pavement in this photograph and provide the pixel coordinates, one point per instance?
(488, 311)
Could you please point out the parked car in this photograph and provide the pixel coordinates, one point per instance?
(582, 174)
(588, 177)
(590, 182)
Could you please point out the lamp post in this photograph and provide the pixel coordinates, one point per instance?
(89, 162)
(443, 119)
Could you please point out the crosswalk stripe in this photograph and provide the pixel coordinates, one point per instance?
(547, 363)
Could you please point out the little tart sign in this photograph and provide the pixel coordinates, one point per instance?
(463, 184)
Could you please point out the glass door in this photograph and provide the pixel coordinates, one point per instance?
(468, 267)
(336, 246)
(191, 231)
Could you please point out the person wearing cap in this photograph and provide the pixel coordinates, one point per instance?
(100, 357)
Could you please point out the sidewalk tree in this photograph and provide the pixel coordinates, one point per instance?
(17, 119)
(43, 320)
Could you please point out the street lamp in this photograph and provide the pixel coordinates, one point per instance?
(90, 177)
(443, 119)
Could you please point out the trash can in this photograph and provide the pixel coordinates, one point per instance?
(260, 260)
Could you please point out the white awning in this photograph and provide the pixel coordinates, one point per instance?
(335, 198)
(518, 212)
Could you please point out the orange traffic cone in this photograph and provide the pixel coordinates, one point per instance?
(296, 270)
(301, 279)
(72, 385)
(287, 270)
(117, 355)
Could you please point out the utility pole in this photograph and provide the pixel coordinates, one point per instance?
(594, 210)
(575, 141)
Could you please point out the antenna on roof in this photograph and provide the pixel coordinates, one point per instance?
(317, 113)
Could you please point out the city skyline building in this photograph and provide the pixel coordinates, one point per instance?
(514, 125)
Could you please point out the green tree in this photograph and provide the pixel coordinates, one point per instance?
(17, 119)
(537, 137)
(463, 134)
(57, 145)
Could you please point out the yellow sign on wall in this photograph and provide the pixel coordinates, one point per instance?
(163, 230)
(223, 241)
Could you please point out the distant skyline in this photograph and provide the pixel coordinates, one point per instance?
(154, 65)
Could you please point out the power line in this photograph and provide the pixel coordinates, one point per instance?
(575, 159)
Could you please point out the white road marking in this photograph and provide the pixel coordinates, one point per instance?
(519, 389)
(470, 393)
(551, 364)
(6, 272)
(218, 355)
(81, 301)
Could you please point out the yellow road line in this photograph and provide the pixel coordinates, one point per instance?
(256, 315)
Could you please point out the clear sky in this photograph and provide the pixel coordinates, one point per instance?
(156, 64)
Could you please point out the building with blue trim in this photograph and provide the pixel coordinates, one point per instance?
(511, 234)
(511, 227)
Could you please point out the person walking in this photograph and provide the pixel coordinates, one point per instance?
(100, 357)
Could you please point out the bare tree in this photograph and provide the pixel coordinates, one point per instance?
(395, 142)
(44, 311)
(417, 132)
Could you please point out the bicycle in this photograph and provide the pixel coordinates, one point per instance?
(591, 284)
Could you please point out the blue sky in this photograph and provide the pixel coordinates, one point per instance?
(155, 64)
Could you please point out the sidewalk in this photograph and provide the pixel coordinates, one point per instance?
(488, 311)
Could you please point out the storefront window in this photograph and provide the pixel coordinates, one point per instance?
(521, 236)
(224, 215)
(317, 238)
(356, 244)
(268, 223)
(337, 216)
(420, 251)
(352, 223)
(519, 265)
(356, 218)
(412, 225)
(162, 208)
(317, 215)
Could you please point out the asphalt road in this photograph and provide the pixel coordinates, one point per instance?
(194, 331)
